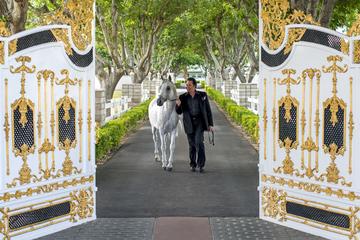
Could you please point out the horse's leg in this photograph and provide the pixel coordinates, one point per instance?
(163, 148)
(172, 150)
(155, 133)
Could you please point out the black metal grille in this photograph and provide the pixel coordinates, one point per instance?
(23, 135)
(273, 60)
(334, 134)
(38, 216)
(318, 215)
(326, 39)
(46, 37)
(310, 35)
(287, 129)
(35, 39)
(82, 60)
(66, 130)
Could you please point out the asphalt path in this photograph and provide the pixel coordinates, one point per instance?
(132, 184)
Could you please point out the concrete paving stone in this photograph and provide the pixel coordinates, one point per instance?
(253, 228)
(108, 228)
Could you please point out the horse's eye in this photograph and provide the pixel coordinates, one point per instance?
(168, 88)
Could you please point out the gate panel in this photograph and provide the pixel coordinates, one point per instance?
(47, 143)
(309, 176)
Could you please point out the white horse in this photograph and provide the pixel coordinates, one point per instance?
(164, 121)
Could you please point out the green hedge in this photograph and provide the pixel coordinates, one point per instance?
(239, 114)
(178, 84)
(110, 135)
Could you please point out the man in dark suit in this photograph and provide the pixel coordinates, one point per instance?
(197, 118)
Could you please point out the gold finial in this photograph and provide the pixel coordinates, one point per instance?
(334, 68)
(66, 81)
(288, 80)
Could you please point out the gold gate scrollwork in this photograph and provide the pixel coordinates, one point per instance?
(289, 106)
(274, 203)
(4, 223)
(275, 15)
(79, 15)
(46, 146)
(353, 31)
(82, 204)
(335, 110)
(309, 144)
(66, 117)
(5, 32)
(23, 122)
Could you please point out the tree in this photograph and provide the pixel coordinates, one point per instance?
(228, 31)
(14, 12)
(176, 48)
(345, 14)
(130, 30)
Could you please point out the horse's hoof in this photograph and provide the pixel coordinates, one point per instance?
(169, 169)
(157, 160)
(164, 168)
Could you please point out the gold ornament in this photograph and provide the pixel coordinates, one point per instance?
(274, 203)
(79, 15)
(5, 32)
(275, 15)
(82, 204)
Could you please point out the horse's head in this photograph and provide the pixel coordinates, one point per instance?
(167, 91)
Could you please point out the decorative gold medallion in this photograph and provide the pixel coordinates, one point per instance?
(273, 203)
(82, 204)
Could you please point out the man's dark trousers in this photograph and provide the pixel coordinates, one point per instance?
(196, 144)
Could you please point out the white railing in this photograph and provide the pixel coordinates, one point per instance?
(235, 96)
(116, 107)
(245, 95)
(253, 104)
(145, 94)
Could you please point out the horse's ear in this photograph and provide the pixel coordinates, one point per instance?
(170, 78)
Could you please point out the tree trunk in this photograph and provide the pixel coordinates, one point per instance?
(326, 12)
(15, 12)
(239, 73)
(186, 73)
(113, 81)
(251, 75)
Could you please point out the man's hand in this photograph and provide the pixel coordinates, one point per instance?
(178, 102)
(211, 128)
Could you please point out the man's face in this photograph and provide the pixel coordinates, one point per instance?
(190, 86)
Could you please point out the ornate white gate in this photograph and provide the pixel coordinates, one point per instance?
(309, 121)
(47, 109)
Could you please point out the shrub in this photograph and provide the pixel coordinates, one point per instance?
(110, 135)
(239, 114)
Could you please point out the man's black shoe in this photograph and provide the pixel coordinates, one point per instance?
(202, 170)
(192, 169)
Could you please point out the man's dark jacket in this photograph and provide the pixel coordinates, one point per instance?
(205, 111)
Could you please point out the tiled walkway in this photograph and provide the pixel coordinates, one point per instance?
(180, 228)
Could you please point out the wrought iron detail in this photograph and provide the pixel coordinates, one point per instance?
(318, 215)
(38, 216)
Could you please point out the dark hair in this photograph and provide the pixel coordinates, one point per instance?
(192, 80)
